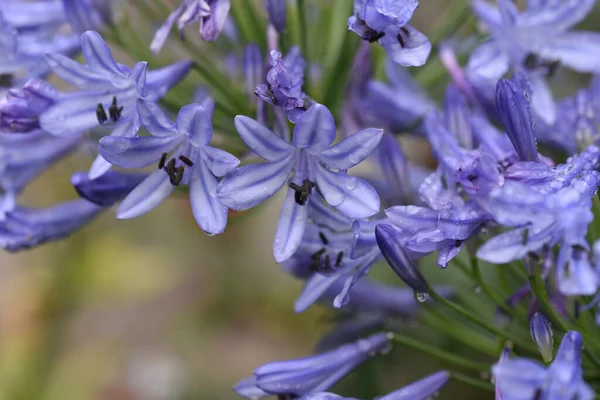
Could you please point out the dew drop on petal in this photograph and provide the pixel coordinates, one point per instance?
(351, 183)
(421, 297)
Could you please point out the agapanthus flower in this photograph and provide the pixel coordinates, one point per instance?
(284, 83)
(277, 13)
(523, 379)
(20, 108)
(311, 158)
(110, 89)
(183, 155)
(27, 31)
(387, 21)
(85, 15)
(397, 105)
(541, 333)
(22, 228)
(311, 374)
(422, 389)
(210, 14)
(536, 40)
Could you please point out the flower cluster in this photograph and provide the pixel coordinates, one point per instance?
(510, 184)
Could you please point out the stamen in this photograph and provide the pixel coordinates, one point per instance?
(323, 238)
(298, 198)
(186, 161)
(295, 187)
(178, 175)
(162, 161)
(171, 168)
(400, 40)
(338, 259)
(115, 111)
(318, 254)
(327, 262)
(525, 236)
(405, 30)
(537, 395)
(101, 114)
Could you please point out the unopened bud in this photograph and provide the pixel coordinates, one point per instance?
(541, 332)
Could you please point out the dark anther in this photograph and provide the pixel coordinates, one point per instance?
(327, 262)
(114, 110)
(471, 177)
(405, 30)
(186, 161)
(338, 259)
(537, 395)
(400, 40)
(101, 113)
(323, 238)
(525, 236)
(6, 80)
(444, 182)
(298, 196)
(317, 255)
(302, 192)
(373, 36)
(531, 61)
(171, 168)
(307, 185)
(295, 187)
(178, 175)
(162, 161)
(552, 67)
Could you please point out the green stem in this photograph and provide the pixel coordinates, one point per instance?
(439, 353)
(450, 20)
(484, 324)
(458, 377)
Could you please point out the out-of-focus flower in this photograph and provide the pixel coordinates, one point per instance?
(312, 374)
(387, 21)
(311, 157)
(541, 333)
(210, 14)
(183, 155)
(277, 13)
(520, 378)
(536, 41)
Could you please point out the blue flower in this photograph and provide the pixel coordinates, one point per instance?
(284, 83)
(277, 13)
(22, 228)
(310, 158)
(183, 155)
(114, 86)
(211, 14)
(536, 41)
(514, 112)
(523, 379)
(107, 189)
(311, 374)
(387, 21)
(541, 333)
(27, 31)
(84, 15)
(20, 108)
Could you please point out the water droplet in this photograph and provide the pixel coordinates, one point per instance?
(351, 183)
(477, 289)
(421, 297)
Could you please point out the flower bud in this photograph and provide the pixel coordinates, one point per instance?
(541, 332)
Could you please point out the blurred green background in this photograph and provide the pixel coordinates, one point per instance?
(152, 308)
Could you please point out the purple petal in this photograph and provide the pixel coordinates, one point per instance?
(276, 10)
(352, 150)
(247, 388)
(488, 61)
(576, 50)
(514, 111)
(146, 196)
(195, 121)
(422, 389)
(518, 378)
(213, 26)
(160, 81)
(290, 228)
(136, 152)
(352, 196)
(542, 102)
(509, 246)
(261, 140)
(412, 51)
(97, 53)
(315, 286)
(162, 33)
(219, 161)
(106, 190)
(559, 16)
(315, 130)
(154, 119)
(208, 211)
(76, 74)
(250, 185)
(487, 13)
